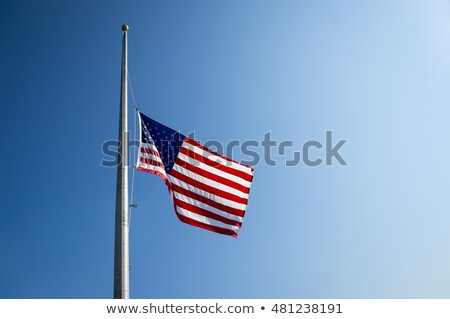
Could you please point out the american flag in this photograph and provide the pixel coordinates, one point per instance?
(208, 190)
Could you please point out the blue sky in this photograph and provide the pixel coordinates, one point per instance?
(376, 73)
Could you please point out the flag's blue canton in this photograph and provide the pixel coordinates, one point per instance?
(166, 140)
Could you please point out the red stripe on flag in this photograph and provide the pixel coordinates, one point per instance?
(222, 207)
(195, 143)
(151, 162)
(207, 188)
(224, 168)
(212, 176)
(215, 229)
(206, 213)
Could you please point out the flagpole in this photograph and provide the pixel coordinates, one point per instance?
(121, 259)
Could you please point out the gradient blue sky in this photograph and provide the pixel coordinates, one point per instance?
(375, 72)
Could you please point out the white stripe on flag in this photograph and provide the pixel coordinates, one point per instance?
(209, 182)
(206, 194)
(151, 156)
(149, 146)
(206, 220)
(216, 158)
(204, 206)
(213, 170)
(152, 167)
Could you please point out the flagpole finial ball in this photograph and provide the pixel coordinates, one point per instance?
(125, 27)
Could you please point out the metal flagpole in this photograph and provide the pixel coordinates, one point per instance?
(121, 261)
